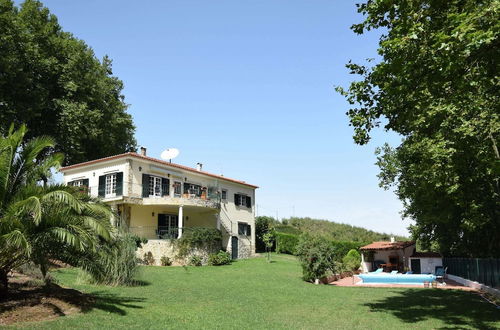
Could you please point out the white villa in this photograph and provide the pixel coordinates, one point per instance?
(158, 200)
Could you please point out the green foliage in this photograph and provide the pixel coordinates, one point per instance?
(148, 258)
(262, 225)
(437, 86)
(352, 261)
(286, 243)
(287, 229)
(316, 255)
(53, 82)
(343, 248)
(195, 260)
(334, 231)
(113, 262)
(165, 261)
(209, 239)
(42, 222)
(219, 259)
(269, 239)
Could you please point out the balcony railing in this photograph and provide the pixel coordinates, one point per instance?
(155, 232)
(134, 191)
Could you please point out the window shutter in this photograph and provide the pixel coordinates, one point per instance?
(119, 183)
(102, 186)
(249, 202)
(186, 187)
(145, 185)
(165, 185)
(249, 230)
(236, 199)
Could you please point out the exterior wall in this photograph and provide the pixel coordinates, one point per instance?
(138, 211)
(428, 265)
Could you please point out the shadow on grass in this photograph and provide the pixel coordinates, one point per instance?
(457, 308)
(58, 301)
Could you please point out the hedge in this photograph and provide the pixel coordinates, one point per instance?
(286, 243)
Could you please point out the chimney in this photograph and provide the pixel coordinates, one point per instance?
(143, 151)
(199, 166)
(392, 239)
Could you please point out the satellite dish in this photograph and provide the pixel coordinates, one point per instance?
(169, 154)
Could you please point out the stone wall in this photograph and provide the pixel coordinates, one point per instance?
(160, 248)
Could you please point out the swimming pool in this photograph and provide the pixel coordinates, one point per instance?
(386, 278)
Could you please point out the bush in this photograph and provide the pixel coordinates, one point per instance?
(114, 262)
(195, 261)
(198, 238)
(165, 261)
(341, 248)
(220, 258)
(352, 261)
(316, 255)
(148, 258)
(286, 243)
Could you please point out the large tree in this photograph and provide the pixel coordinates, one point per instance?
(437, 85)
(53, 83)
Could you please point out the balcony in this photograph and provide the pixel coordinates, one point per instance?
(133, 194)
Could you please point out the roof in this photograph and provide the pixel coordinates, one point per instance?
(425, 255)
(136, 155)
(387, 245)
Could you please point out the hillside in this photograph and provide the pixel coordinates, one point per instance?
(333, 230)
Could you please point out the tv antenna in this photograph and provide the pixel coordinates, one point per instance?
(169, 154)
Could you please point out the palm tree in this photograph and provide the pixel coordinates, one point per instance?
(40, 222)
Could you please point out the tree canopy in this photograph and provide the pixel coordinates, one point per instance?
(52, 82)
(436, 84)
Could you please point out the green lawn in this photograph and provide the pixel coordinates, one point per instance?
(256, 294)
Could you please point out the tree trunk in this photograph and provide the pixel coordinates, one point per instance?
(4, 281)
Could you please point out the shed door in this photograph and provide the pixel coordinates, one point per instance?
(415, 266)
(234, 247)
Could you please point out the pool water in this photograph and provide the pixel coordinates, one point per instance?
(386, 278)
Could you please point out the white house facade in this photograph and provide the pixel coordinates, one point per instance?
(159, 200)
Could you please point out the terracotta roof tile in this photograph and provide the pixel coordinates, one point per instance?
(383, 245)
(136, 155)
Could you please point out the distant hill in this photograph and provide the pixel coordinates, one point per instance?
(333, 230)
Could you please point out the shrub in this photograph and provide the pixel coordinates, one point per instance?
(165, 261)
(341, 248)
(220, 258)
(198, 238)
(113, 263)
(195, 260)
(286, 243)
(316, 255)
(352, 261)
(148, 258)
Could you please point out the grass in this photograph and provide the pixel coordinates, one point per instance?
(256, 294)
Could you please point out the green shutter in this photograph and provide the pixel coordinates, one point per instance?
(102, 186)
(145, 185)
(249, 202)
(186, 187)
(249, 230)
(119, 183)
(236, 199)
(165, 185)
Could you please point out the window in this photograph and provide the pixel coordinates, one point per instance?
(77, 183)
(154, 186)
(244, 229)
(242, 200)
(224, 194)
(110, 189)
(177, 188)
(192, 189)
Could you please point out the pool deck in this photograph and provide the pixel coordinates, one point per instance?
(348, 281)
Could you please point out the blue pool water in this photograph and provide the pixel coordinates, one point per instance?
(386, 278)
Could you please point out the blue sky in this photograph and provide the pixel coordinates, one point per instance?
(247, 88)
